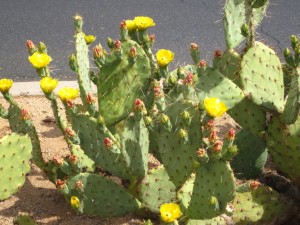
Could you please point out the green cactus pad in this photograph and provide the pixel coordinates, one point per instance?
(219, 220)
(18, 125)
(214, 188)
(135, 141)
(15, 155)
(82, 59)
(213, 84)
(86, 163)
(91, 141)
(156, 189)
(235, 17)
(100, 196)
(292, 105)
(262, 77)
(251, 157)
(284, 147)
(121, 81)
(229, 65)
(178, 154)
(249, 116)
(259, 206)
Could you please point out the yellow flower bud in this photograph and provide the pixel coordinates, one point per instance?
(48, 84)
(39, 60)
(164, 57)
(143, 22)
(89, 39)
(5, 85)
(214, 107)
(169, 212)
(66, 94)
(75, 202)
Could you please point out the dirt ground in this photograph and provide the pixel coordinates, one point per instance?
(38, 196)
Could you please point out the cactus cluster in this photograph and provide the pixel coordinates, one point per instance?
(142, 108)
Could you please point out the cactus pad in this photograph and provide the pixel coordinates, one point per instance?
(214, 188)
(178, 153)
(251, 157)
(15, 153)
(259, 206)
(262, 77)
(156, 189)
(213, 84)
(121, 82)
(284, 147)
(235, 17)
(99, 196)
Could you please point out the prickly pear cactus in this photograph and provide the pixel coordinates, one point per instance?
(235, 16)
(156, 189)
(15, 153)
(252, 155)
(259, 205)
(283, 144)
(98, 196)
(262, 77)
(122, 79)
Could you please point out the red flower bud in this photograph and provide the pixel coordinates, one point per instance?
(30, 45)
(73, 159)
(194, 46)
(60, 183)
(189, 80)
(138, 105)
(90, 98)
(230, 134)
(69, 132)
(202, 63)
(108, 143)
(58, 160)
(210, 125)
(218, 145)
(78, 184)
(218, 53)
(254, 184)
(118, 44)
(123, 25)
(132, 51)
(213, 136)
(70, 103)
(152, 38)
(24, 114)
(97, 52)
(201, 152)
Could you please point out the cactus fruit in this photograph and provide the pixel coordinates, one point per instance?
(15, 155)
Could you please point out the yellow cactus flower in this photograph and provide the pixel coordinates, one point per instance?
(131, 26)
(214, 107)
(5, 85)
(75, 202)
(169, 212)
(67, 93)
(164, 57)
(89, 39)
(143, 22)
(48, 84)
(39, 60)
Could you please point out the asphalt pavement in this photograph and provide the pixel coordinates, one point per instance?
(178, 23)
